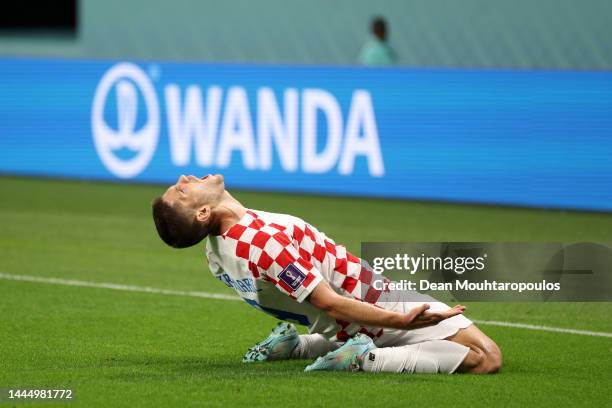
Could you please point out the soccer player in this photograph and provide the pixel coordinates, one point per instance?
(284, 266)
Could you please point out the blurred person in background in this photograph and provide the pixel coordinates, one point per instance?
(376, 51)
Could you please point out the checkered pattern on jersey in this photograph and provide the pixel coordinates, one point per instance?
(268, 251)
(269, 248)
(348, 273)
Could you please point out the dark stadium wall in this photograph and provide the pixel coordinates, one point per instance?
(562, 34)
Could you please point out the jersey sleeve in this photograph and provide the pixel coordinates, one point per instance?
(278, 261)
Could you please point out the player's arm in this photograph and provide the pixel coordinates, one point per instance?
(279, 262)
(342, 308)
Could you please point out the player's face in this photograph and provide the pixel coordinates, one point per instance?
(195, 192)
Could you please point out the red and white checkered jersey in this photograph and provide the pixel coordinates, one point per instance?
(274, 261)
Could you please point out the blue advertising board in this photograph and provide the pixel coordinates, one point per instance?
(516, 137)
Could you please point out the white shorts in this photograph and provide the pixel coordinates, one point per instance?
(442, 330)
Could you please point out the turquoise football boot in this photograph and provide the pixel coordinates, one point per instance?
(345, 358)
(277, 346)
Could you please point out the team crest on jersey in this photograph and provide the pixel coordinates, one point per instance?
(292, 276)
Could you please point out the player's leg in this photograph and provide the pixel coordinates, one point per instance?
(312, 346)
(429, 357)
(285, 343)
(469, 350)
(485, 357)
(360, 353)
(452, 345)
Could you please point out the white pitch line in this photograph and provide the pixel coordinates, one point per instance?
(542, 328)
(117, 286)
(219, 296)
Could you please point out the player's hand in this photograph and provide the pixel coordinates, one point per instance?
(421, 317)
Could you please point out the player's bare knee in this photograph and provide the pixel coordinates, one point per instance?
(492, 361)
(482, 361)
(495, 359)
(473, 361)
(492, 356)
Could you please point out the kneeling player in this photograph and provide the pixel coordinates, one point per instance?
(285, 267)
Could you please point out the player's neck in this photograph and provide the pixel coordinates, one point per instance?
(229, 212)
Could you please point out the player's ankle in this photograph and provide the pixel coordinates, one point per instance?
(361, 360)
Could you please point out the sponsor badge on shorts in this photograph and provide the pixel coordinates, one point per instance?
(292, 276)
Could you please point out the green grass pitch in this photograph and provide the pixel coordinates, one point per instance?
(119, 348)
